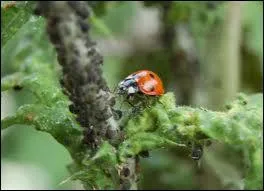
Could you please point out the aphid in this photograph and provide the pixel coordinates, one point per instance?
(197, 152)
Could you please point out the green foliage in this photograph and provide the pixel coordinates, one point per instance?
(119, 25)
(163, 125)
(203, 22)
(38, 75)
(252, 23)
(106, 21)
(100, 169)
(28, 53)
(50, 113)
(179, 12)
(13, 18)
(99, 27)
(160, 126)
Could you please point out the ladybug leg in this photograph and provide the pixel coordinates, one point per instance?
(128, 98)
(157, 99)
(135, 108)
(130, 103)
(147, 102)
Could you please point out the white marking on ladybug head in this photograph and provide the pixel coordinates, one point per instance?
(121, 83)
(131, 90)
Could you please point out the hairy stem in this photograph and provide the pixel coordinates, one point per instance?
(82, 76)
(82, 79)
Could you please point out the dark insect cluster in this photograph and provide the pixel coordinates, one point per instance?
(82, 76)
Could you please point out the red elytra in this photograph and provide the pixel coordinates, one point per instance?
(148, 82)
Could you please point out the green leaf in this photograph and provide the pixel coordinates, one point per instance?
(100, 171)
(164, 124)
(13, 18)
(252, 19)
(55, 119)
(240, 125)
(142, 142)
(11, 81)
(50, 112)
(99, 27)
(254, 178)
(119, 16)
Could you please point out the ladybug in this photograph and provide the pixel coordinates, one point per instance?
(143, 81)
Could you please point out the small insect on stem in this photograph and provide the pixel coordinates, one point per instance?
(197, 152)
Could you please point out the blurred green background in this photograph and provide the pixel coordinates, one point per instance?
(205, 52)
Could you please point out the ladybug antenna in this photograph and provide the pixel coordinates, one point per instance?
(111, 91)
(115, 89)
(121, 104)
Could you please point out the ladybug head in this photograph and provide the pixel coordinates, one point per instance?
(127, 86)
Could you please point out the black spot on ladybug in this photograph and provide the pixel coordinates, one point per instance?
(151, 75)
(152, 88)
